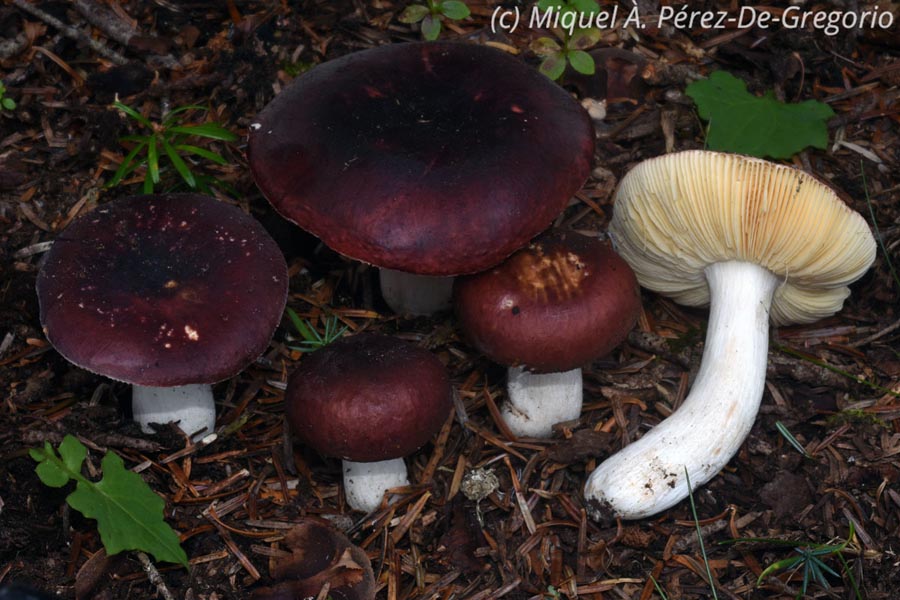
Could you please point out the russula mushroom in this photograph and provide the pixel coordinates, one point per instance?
(428, 160)
(170, 293)
(755, 241)
(551, 307)
(370, 400)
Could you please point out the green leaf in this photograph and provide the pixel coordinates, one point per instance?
(743, 123)
(431, 28)
(207, 130)
(545, 4)
(455, 10)
(584, 38)
(582, 62)
(545, 46)
(413, 14)
(553, 66)
(129, 515)
(179, 164)
(9, 103)
(588, 7)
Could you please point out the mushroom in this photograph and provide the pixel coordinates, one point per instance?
(551, 307)
(370, 400)
(754, 240)
(428, 160)
(170, 293)
(319, 556)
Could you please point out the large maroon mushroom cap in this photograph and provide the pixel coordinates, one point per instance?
(163, 290)
(553, 306)
(368, 398)
(432, 158)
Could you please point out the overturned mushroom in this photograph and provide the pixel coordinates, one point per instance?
(754, 240)
(319, 558)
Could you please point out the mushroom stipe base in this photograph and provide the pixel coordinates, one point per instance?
(366, 483)
(192, 406)
(537, 401)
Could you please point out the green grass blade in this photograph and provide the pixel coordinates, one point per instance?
(206, 130)
(878, 237)
(179, 164)
(786, 434)
(712, 585)
(153, 160)
(133, 114)
(202, 152)
(126, 166)
(173, 115)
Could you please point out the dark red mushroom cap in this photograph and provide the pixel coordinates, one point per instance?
(163, 290)
(368, 398)
(554, 305)
(433, 158)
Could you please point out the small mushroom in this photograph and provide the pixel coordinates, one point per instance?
(755, 241)
(170, 293)
(370, 400)
(550, 308)
(428, 160)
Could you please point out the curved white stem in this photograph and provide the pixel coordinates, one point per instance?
(539, 400)
(192, 406)
(411, 294)
(365, 483)
(648, 476)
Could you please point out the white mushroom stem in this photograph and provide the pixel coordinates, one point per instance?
(411, 294)
(648, 476)
(539, 400)
(192, 406)
(366, 482)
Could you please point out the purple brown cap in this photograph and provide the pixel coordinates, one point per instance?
(553, 306)
(163, 290)
(433, 158)
(368, 398)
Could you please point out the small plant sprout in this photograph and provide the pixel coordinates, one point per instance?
(6, 103)
(809, 559)
(167, 142)
(570, 44)
(431, 14)
(312, 339)
(129, 514)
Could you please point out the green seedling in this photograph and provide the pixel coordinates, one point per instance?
(758, 126)
(312, 339)
(431, 14)
(6, 103)
(167, 142)
(570, 44)
(129, 515)
(809, 559)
